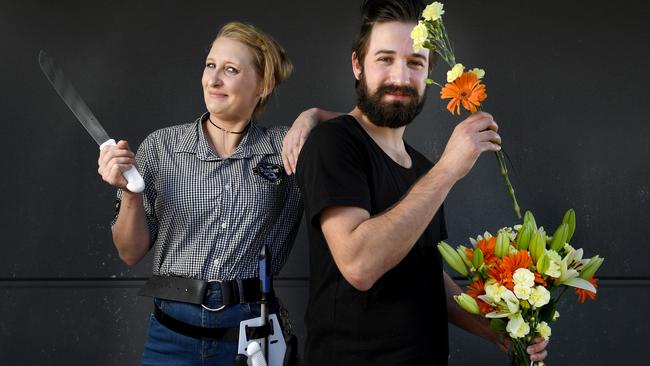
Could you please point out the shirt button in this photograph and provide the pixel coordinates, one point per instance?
(227, 187)
(216, 262)
(224, 225)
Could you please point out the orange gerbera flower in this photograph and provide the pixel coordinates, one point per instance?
(475, 289)
(504, 270)
(487, 247)
(583, 294)
(466, 90)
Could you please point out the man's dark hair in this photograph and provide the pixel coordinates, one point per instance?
(379, 11)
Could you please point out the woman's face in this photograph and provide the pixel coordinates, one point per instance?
(231, 86)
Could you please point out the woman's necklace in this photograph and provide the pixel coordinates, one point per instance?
(228, 131)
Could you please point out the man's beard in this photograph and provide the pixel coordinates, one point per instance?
(388, 114)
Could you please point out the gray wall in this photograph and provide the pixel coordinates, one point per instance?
(567, 84)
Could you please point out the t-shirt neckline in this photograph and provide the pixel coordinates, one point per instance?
(386, 156)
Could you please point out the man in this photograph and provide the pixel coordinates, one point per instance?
(378, 293)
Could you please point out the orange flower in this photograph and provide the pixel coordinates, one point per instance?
(583, 294)
(466, 90)
(487, 247)
(475, 289)
(503, 271)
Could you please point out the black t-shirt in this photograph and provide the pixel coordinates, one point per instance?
(402, 319)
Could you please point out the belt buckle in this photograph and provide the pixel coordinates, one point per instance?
(214, 309)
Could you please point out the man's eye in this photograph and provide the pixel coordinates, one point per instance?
(209, 65)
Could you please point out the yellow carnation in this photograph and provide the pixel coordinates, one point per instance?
(539, 297)
(455, 72)
(523, 277)
(517, 327)
(419, 35)
(480, 73)
(544, 330)
(433, 11)
(522, 292)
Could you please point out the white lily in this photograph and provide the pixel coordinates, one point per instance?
(569, 275)
(508, 305)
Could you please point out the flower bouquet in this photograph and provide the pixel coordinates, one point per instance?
(463, 88)
(518, 277)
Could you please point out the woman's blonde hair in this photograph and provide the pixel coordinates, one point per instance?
(271, 61)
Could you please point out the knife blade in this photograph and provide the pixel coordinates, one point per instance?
(73, 100)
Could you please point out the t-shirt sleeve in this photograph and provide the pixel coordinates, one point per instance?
(443, 223)
(332, 171)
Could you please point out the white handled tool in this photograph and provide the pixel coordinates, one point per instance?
(77, 105)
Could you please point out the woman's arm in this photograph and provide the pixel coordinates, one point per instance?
(130, 232)
(297, 135)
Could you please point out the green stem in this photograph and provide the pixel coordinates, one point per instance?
(520, 357)
(561, 294)
(503, 170)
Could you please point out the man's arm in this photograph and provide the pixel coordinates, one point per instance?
(472, 323)
(364, 247)
(481, 326)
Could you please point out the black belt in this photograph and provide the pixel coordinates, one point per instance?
(194, 291)
(222, 334)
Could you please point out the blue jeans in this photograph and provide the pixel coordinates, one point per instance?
(166, 347)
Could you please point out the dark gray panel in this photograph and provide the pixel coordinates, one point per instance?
(91, 322)
(98, 325)
(72, 326)
(572, 118)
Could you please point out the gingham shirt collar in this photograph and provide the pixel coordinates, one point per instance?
(195, 142)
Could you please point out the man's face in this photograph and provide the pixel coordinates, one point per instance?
(391, 85)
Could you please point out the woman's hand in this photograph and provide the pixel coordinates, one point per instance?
(296, 137)
(113, 161)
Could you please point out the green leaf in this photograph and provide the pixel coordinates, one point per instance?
(547, 312)
(498, 325)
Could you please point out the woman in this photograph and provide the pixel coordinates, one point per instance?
(215, 194)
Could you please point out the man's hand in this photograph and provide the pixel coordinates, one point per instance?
(471, 137)
(536, 351)
(113, 161)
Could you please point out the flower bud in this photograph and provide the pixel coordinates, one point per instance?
(502, 246)
(477, 258)
(537, 245)
(591, 267)
(523, 239)
(543, 263)
(467, 303)
(559, 237)
(462, 252)
(570, 219)
(530, 219)
(452, 258)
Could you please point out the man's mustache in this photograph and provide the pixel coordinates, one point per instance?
(398, 89)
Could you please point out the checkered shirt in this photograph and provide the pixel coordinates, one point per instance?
(208, 217)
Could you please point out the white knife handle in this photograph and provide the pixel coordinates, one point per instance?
(135, 182)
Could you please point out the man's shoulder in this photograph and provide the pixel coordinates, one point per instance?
(343, 127)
